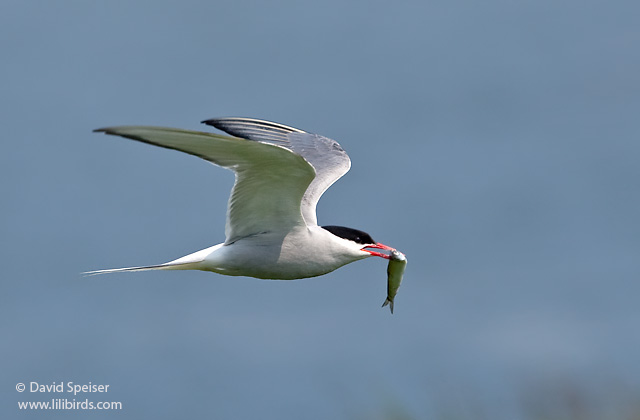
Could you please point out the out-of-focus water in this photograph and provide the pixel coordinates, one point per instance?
(495, 144)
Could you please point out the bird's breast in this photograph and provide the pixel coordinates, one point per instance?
(298, 254)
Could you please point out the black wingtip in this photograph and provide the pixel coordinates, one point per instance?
(100, 130)
(211, 121)
(220, 125)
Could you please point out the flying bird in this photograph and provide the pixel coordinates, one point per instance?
(271, 229)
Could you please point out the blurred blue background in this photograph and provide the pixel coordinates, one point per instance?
(495, 143)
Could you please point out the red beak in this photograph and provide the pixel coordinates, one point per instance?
(379, 246)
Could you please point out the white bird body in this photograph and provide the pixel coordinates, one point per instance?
(303, 252)
(271, 229)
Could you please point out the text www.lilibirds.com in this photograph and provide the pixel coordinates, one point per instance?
(64, 403)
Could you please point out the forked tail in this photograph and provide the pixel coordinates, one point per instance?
(388, 302)
(188, 262)
(166, 266)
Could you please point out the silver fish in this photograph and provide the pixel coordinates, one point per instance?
(395, 271)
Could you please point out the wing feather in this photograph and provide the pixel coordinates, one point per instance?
(270, 183)
(325, 155)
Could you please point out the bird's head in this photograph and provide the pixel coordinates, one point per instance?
(361, 238)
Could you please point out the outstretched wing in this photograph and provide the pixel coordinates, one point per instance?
(327, 158)
(271, 180)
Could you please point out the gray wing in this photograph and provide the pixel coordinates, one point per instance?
(325, 155)
(270, 180)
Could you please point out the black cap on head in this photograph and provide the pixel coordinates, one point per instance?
(350, 234)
